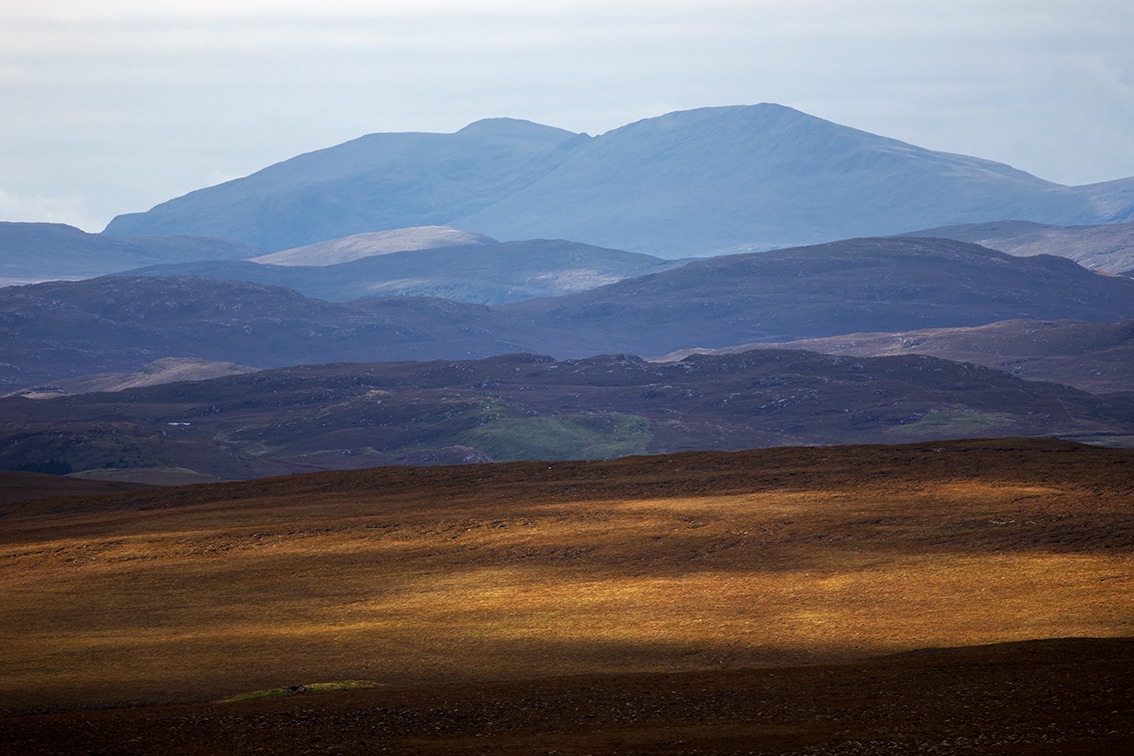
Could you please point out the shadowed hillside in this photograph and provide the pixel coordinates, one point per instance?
(525, 407)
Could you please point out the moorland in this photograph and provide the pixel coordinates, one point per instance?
(445, 443)
(777, 600)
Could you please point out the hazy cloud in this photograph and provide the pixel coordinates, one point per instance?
(125, 104)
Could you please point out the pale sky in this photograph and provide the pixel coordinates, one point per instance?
(115, 106)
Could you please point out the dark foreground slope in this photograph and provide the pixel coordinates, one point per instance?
(645, 605)
(119, 324)
(525, 407)
(1041, 698)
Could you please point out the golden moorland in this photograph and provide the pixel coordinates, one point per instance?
(482, 575)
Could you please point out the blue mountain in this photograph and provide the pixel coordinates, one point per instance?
(698, 182)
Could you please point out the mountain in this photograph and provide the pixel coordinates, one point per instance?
(519, 407)
(65, 329)
(1107, 248)
(375, 183)
(31, 252)
(1094, 357)
(484, 271)
(688, 183)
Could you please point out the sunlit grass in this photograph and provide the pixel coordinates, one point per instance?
(205, 601)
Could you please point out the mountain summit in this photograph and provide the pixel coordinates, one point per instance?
(697, 182)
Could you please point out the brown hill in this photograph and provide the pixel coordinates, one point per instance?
(521, 407)
(660, 604)
(1095, 357)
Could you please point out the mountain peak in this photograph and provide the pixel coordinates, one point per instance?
(512, 127)
(693, 182)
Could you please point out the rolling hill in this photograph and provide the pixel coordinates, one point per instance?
(358, 246)
(1107, 248)
(858, 285)
(67, 329)
(483, 272)
(1094, 357)
(684, 184)
(523, 407)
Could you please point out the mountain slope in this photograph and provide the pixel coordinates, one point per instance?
(688, 183)
(374, 183)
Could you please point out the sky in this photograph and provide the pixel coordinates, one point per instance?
(115, 106)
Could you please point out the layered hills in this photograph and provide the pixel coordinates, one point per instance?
(688, 183)
(66, 329)
(477, 269)
(523, 407)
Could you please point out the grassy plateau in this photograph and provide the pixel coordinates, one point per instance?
(910, 595)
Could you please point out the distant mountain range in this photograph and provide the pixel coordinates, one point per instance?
(689, 183)
(525, 407)
(109, 325)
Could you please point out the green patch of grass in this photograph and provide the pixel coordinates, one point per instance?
(954, 421)
(294, 690)
(512, 439)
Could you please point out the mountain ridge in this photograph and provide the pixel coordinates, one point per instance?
(689, 183)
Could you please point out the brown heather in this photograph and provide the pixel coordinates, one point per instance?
(522, 574)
